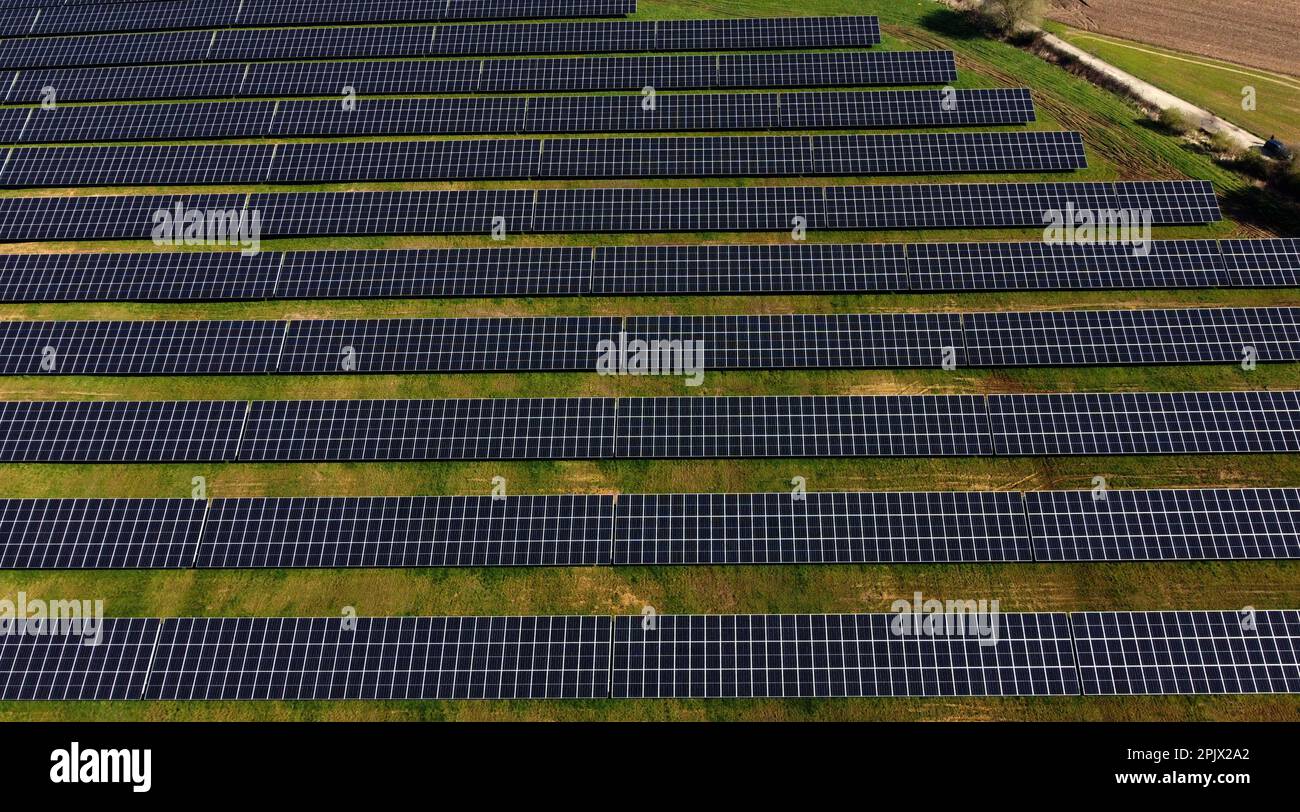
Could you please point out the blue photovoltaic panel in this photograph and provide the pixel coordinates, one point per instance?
(280, 79)
(487, 158)
(381, 658)
(1182, 336)
(105, 49)
(1046, 266)
(399, 117)
(378, 42)
(814, 426)
(1145, 423)
(843, 340)
(841, 69)
(158, 276)
(434, 272)
(1262, 263)
(96, 659)
(498, 344)
(932, 153)
(158, 347)
(408, 531)
(904, 108)
(99, 533)
(424, 212)
(1250, 651)
(1165, 525)
(134, 82)
(68, 123)
(819, 528)
(484, 429)
(502, 39)
(747, 269)
(120, 431)
(573, 74)
(185, 165)
(89, 217)
(714, 656)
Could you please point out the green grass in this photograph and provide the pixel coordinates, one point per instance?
(1120, 143)
(1209, 83)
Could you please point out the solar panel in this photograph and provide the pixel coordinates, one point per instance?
(104, 217)
(424, 212)
(819, 528)
(488, 158)
(930, 153)
(71, 18)
(99, 533)
(149, 122)
(281, 12)
(105, 49)
(813, 426)
(1145, 423)
(379, 42)
(183, 165)
(130, 83)
(400, 117)
(566, 343)
(1262, 263)
(692, 208)
(760, 33)
(485, 429)
(96, 659)
(840, 69)
(434, 273)
(557, 75)
(670, 112)
(1045, 266)
(547, 38)
(13, 123)
(982, 205)
(748, 269)
(158, 276)
(409, 531)
(381, 658)
(706, 656)
(1252, 651)
(120, 431)
(505, 9)
(831, 341)
(655, 209)
(1165, 525)
(158, 347)
(683, 157)
(1184, 336)
(816, 110)
(281, 79)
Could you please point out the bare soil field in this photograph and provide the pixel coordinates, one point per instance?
(1249, 32)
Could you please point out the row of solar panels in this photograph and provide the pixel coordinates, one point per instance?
(31, 18)
(651, 428)
(229, 219)
(838, 69)
(544, 159)
(587, 343)
(390, 42)
(652, 529)
(513, 115)
(966, 652)
(645, 270)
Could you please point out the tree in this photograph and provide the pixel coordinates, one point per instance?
(1005, 16)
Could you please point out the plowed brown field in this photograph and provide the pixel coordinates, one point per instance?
(1259, 33)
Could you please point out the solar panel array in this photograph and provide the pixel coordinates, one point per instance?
(838, 69)
(381, 658)
(665, 656)
(652, 529)
(659, 428)
(712, 656)
(41, 19)
(1238, 652)
(654, 209)
(605, 271)
(542, 159)
(390, 41)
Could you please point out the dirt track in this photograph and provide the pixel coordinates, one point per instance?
(1249, 32)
